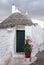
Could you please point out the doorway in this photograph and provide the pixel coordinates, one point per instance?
(20, 37)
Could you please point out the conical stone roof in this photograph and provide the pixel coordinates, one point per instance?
(16, 19)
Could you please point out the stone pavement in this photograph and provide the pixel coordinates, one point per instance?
(40, 60)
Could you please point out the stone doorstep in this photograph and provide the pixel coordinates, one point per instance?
(19, 58)
(27, 60)
(18, 55)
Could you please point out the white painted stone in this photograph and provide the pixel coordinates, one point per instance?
(4, 42)
(36, 33)
(28, 31)
(7, 42)
(14, 9)
(8, 39)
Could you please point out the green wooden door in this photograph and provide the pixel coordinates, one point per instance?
(20, 36)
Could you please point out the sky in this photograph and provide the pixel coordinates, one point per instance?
(35, 8)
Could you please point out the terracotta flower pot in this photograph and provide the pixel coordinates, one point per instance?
(27, 55)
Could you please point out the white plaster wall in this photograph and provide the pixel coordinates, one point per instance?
(43, 34)
(7, 41)
(4, 42)
(28, 31)
(20, 27)
(42, 45)
(12, 40)
(36, 34)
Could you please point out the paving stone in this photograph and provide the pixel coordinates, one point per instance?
(39, 61)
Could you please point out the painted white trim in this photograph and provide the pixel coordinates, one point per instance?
(14, 42)
(18, 28)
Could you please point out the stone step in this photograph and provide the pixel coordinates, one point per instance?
(22, 61)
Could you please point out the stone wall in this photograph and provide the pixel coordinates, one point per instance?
(7, 38)
(36, 33)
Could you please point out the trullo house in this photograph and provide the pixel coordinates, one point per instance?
(13, 32)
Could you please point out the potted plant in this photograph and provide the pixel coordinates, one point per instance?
(27, 49)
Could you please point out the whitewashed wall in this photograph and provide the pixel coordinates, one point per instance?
(4, 42)
(42, 45)
(36, 34)
(7, 38)
(28, 31)
(43, 34)
(12, 39)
